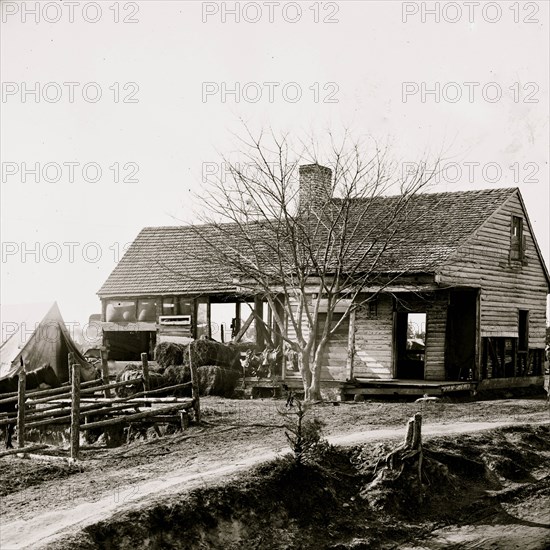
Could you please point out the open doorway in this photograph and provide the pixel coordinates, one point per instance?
(410, 345)
(460, 339)
(230, 318)
(222, 320)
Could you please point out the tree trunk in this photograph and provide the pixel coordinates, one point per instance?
(305, 372)
(315, 385)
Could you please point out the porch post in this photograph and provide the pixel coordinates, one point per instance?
(351, 344)
(477, 358)
(259, 315)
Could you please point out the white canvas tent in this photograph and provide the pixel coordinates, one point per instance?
(36, 333)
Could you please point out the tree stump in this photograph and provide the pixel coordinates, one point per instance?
(397, 485)
(410, 451)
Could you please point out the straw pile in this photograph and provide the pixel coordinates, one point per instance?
(132, 372)
(213, 379)
(203, 352)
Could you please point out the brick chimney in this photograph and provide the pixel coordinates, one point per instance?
(315, 186)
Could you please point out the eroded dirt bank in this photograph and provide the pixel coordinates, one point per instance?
(482, 490)
(40, 502)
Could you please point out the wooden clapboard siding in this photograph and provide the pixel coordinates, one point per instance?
(374, 341)
(436, 325)
(335, 355)
(506, 286)
(374, 337)
(435, 307)
(291, 333)
(336, 351)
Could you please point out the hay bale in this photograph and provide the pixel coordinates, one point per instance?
(178, 374)
(132, 372)
(209, 352)
(216, 380)
(204, 352)
(213, 380)
(169, 353)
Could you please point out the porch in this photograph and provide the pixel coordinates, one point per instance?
(436, 388)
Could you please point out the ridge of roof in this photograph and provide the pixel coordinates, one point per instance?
(172, 259)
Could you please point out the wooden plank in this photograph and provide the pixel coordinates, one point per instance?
(244, 328)
(512, 382)
(131, 417)
(129, 398)
(393, 391)
(104, 353)
(20, 450)
(12, 397)
(86, 391)
(145, 371)
(32, 418)
(195, 387)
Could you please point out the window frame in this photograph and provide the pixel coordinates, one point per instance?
(517, 246)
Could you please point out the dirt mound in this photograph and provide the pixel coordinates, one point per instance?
(338, 502)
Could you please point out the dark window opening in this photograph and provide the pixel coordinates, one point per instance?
(168, 306)
(517, 248)
(129, 345)
(523, 330)
(373, 309)
(185, 306)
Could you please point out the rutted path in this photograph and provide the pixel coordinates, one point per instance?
(38, 530)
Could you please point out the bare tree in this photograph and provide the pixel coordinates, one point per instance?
(310, 250)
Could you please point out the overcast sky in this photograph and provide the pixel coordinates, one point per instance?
(161, 70)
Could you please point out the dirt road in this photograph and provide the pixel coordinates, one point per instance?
(37, 530)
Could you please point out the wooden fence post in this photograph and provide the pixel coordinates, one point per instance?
(145, 373)
(105, 369)
(70, 364)
(75, 411)
(195, 388)
(145, 369)
(21, 408)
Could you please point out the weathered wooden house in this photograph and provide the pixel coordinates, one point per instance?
(467, 312)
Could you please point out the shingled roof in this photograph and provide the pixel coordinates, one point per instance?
(175, 260)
